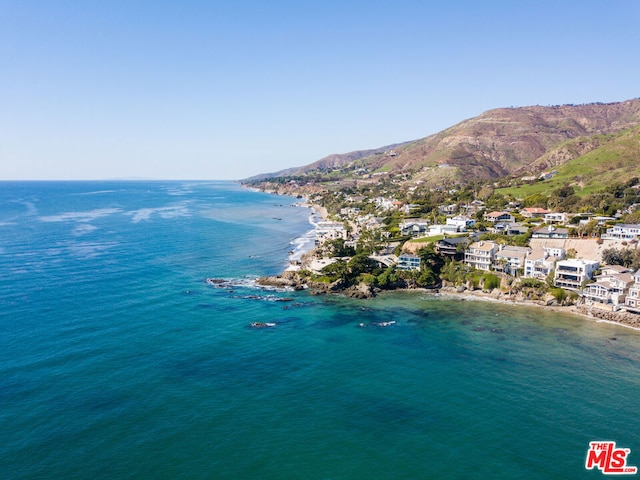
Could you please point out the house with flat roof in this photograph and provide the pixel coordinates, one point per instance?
(452, 246)
(495, 217)
(330, 231)
(623, 231)
(553, 217)
(572, 272)
(407, 261)
(550, 232)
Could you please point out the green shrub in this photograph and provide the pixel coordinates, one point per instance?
(491, 281)
(559, 294)
(531, 283)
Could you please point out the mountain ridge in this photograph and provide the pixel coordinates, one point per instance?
(497, 143)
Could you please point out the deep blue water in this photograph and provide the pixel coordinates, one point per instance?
(118, 360)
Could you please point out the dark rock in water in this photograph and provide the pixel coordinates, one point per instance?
(216, 281)
(285, 299)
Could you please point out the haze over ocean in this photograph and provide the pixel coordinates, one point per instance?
(118, 360)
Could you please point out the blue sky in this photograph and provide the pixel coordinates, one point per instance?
(225, 90)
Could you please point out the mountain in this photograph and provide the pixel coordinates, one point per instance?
(495, 144)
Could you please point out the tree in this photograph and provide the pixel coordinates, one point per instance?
(612, 256)
(388, 279)
(339, 249)
(430, 258)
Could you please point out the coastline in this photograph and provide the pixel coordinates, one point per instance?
(297, 260)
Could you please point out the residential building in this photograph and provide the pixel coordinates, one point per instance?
(462, 222)
(448, 209)
(408, 262)
(330, 231)
(632, 301)
(516, 229)
(481, 255)
(443, 230)
(551, 232)
(534, 212)
(609, 288)
(623, 231)
(572, 272)
(472, 207)
(554, 217)
(540, 263)
(414, 227)
(510, 259)
(453, 246)
(503, 217)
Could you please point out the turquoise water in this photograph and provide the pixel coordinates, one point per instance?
(118, 360)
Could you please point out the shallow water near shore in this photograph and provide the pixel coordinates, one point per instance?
(118, 360)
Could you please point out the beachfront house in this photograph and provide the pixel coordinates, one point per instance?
(540, 263)
(510, 259)
(632, 301)
(330, 231)
(571, 273)
(481, 255)
(609, 288)
(407, 261)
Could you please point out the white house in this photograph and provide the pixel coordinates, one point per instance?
(610, 288)
(481, 255)
(330, 231)
(622, 231)
(554, 217)
(572, 272)
(540, 263)
(632, 301)
(461, 222)
(443, 229)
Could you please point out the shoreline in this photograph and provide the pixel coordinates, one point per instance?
(576, 310)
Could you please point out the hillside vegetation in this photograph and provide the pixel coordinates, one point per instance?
(588, 145)
(597, 161)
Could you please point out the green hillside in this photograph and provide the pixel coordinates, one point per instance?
(615, 159)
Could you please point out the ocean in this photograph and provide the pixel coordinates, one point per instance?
(119, 361)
